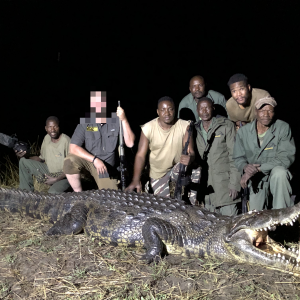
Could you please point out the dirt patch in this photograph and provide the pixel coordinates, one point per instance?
(35, 266)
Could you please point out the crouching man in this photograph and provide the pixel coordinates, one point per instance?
(215, 142)
(165, 138)
(100, 139)
(264, 150)
(55, 148)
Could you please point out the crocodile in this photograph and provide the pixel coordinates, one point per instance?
(161, 225)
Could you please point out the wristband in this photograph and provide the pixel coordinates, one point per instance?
(94, 158)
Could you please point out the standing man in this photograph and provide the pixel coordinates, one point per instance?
(55, 148)
(215, 141)
(197, 91)
(264, 150)
(165, 137)
(241, 106)
(100, 136)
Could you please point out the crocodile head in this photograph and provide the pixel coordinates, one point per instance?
(248, 239)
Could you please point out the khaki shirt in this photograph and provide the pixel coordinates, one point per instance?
(247, 114)
(165, 146)
(54, 153)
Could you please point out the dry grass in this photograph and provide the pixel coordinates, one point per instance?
(35, 266)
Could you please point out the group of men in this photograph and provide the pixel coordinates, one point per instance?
(247, 148)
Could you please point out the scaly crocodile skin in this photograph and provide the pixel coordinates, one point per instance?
(161, 225)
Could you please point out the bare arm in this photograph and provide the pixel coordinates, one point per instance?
(189, 158)
(139, 163)
(128, 135)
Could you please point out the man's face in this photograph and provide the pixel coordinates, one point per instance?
(52, 129)
(197, 87)
(98, 106)
(265, 114)
(166, 112)
(205, 110)
(241, 92)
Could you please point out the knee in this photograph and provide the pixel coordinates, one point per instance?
(70, 166)
(279, 173)
(23, 162)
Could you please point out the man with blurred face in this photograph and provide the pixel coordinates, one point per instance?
(215, 141)
(241, 106)
(197, 91)
(165, 137)
(263, 151)
(55, 148)
(99, 134)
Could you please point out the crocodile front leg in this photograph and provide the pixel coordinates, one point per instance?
(156, 234)
(72, 222)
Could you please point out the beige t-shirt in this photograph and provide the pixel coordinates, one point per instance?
(247, 114)
(165, 146)
(54, 153)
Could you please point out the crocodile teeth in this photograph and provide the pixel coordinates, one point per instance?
(293, 249)
(278, 255)
(283, 257)
(297, 265)
(291, 223)
(265, 229)
(269, 227)
(297, 251)
(260, 229)
(289, 249)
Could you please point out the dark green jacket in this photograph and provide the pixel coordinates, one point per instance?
(278, 148)
(217, 152)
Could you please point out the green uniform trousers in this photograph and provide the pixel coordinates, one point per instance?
(226, 210)
(29, 167)
(279, 186)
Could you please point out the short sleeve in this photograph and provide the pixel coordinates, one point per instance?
(78, 136)
(147, 129)
(67, 145)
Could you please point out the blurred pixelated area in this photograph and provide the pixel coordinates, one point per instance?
(98, 110)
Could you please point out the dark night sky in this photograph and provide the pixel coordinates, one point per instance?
(138, 53)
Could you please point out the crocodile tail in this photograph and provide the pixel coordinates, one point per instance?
(35, 205)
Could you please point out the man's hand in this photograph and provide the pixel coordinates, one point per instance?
(50, 180)
(244, 180)
(121, 114)
(185, 159)
(251, 169)
(100, 166)
(134, 185)
(233, 194)
(20, 154)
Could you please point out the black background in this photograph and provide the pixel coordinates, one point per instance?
(53, 53)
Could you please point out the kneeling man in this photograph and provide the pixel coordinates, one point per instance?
(264, 150)
(215, 141)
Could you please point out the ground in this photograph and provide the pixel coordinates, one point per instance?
(35, 266)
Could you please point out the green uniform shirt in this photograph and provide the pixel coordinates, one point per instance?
(216, 150)
(203, 131)
(189, 102)
(278, 148)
